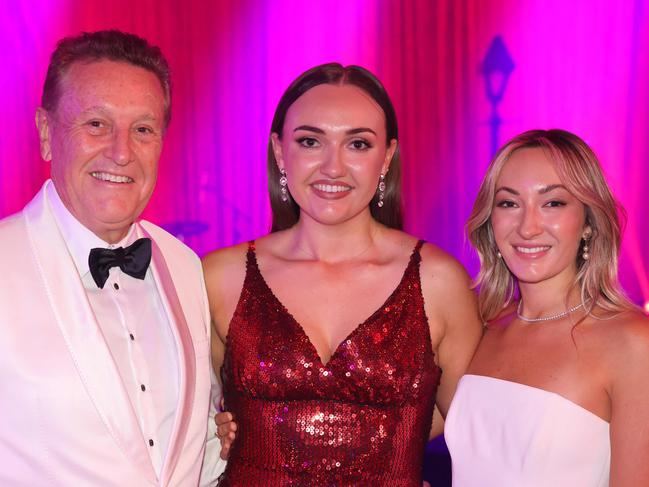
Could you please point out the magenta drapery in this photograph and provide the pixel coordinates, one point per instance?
(581, 65)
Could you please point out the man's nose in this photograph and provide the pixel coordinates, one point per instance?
(121, 150)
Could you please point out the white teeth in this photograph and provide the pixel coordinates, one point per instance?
(113, 178)
(531, 250)
(330, 188)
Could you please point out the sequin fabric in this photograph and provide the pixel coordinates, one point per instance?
(362, 419)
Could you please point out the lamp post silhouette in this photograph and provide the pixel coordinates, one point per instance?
(496, 68)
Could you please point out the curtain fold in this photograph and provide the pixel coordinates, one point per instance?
(581, 65)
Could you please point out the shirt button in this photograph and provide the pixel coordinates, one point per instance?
(116, 286)
(143, 388)
(131, 336)
(150, 442)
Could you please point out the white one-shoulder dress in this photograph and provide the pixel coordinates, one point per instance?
(506, 434)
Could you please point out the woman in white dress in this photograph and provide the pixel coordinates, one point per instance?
(558, 391)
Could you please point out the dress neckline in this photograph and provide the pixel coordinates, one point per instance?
(412, 261)
(537, 390)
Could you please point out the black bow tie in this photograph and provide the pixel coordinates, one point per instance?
(133, 260)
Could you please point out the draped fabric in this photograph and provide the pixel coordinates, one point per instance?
(580, 65)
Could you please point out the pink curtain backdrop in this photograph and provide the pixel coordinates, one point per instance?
(580, 65)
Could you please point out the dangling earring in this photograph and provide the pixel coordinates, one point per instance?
(283, 182)
(381, 190)
(584, 251)
(586, 238)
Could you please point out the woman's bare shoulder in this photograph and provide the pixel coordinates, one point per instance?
(620, 341)
(622, 333)
(222, 262)
(442, 269)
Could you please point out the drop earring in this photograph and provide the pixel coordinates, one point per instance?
(585, 254)
(283, 183)
(381, 191)
(584, 251)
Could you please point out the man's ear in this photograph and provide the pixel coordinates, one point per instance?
(277, 149)
(44, 133)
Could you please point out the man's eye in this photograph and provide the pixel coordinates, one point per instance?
(96, 124)
(145, 130)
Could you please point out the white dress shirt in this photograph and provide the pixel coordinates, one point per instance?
(137, 331)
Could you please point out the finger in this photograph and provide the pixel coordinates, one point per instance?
(225, 451)
(223, 430)
(222, 418)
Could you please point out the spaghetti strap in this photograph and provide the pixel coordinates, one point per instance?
(416, 256)
(251, 258)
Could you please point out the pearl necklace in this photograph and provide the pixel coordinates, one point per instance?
(546, 318)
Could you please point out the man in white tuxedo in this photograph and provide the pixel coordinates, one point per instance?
(104, 326)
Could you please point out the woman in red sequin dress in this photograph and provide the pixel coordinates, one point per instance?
(331, 333)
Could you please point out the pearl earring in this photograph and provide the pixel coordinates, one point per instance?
(584, 254)
(585, 249)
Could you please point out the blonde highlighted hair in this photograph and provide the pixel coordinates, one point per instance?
(581, 173)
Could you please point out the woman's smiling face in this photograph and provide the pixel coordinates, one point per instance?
(538, 224)
(333, 149)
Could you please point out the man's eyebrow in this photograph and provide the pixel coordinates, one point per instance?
(94, 109)
(101, 110)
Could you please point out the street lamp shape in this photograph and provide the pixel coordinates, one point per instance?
(496, 68)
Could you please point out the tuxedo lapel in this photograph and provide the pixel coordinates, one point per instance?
(82, 334)
(186, 355)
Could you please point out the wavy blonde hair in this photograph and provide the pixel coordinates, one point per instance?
(581, 173)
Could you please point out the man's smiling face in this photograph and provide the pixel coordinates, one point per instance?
(104, 140)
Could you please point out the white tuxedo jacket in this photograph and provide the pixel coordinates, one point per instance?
(65, 416)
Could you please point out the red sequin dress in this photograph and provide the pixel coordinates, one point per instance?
(361, 419)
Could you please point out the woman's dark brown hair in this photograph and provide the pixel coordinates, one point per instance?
(286, 214)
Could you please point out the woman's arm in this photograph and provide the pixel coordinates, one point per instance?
(224, 275)
(630, 403)
(455, 327)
